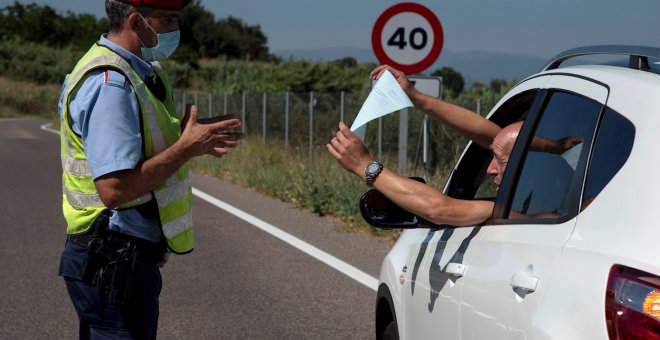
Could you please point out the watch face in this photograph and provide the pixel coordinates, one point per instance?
(372, 168)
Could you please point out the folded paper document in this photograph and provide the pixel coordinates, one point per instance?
(385, 97)
(572, 155)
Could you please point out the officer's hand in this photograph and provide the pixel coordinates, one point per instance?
(347, 148)
(400, 77)
(212, 138)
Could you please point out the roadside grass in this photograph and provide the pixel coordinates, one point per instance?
(319, 185)
(20, 99)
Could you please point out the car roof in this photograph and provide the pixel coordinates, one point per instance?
(633, 82)
(633, 93)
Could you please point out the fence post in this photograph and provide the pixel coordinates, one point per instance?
(225, 104)
(183, 101)
(210, 104)
(174, 98)
(197, 99)
(380, 139)
(311, 123)
(342, 102)
(287, 103)
(243, 120)
(425, 155)
(479, 106)
(403, 141)
(263, 117)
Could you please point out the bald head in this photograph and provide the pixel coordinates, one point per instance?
(501, 147)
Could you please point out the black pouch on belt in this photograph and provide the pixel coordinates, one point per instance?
(96, 256)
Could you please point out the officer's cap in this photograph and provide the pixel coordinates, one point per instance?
(174, 5)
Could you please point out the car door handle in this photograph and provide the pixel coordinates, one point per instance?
(456, 269)
(525, 281)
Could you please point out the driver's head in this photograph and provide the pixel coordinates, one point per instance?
(501, 147)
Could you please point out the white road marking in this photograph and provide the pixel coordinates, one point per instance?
(330, 260)
(303, 246)
(47, 127)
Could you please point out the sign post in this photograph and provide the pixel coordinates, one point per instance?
(409, 37)
(431, 86)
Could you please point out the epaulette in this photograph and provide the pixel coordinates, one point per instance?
(114, 78)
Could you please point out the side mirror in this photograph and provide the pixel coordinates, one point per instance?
(380, 212)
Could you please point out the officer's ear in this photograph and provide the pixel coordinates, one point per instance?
(134, 21)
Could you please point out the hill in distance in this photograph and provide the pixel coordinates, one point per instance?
(475, 66)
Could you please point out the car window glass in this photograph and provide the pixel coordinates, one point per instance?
(548, 181)
(613, 144)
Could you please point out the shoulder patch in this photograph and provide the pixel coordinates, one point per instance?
(115, 78)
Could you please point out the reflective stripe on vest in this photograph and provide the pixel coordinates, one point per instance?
(173, 198)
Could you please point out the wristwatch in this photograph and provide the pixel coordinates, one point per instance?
(372, 171)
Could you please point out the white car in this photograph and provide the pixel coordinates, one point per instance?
(584, 262)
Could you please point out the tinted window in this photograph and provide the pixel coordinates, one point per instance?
(611, 150)
(549, 183)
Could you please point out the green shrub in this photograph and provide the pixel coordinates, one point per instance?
(24, 98)
(27, 61)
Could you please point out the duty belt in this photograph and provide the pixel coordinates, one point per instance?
(107, 242)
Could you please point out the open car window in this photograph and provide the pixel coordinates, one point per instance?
(470, 180)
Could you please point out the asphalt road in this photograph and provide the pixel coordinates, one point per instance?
(241, 282)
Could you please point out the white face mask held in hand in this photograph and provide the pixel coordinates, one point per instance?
(167, 44)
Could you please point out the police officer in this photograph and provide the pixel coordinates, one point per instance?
(126, 189)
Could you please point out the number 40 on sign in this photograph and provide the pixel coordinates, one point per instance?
(407, 36)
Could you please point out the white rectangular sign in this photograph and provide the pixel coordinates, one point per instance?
(431, 86)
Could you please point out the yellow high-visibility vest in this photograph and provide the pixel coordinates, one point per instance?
(81, 203)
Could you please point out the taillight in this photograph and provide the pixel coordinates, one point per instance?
(632, 304)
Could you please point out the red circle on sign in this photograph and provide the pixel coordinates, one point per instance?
(432, 20)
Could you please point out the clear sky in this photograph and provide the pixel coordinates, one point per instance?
(533, 27)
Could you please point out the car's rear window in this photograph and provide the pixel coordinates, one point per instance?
(613, 145)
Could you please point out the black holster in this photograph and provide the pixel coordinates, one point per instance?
(109, 260)
(116, 278)
(94, 240)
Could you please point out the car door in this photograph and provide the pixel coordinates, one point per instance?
(433, 272)
(510, 265)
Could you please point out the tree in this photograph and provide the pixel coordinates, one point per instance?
(44, 25)
(451, 80)
(202, 36)
(205, 37)
(498, 84)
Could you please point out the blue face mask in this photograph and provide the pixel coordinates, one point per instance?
(167, 44)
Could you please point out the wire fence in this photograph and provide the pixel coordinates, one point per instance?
(306, 122)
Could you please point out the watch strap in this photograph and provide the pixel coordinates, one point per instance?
(371, 177)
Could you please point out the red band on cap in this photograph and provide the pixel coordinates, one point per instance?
(175, 5)
(164, 4)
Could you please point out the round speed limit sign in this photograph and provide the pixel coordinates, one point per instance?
(407, 36)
